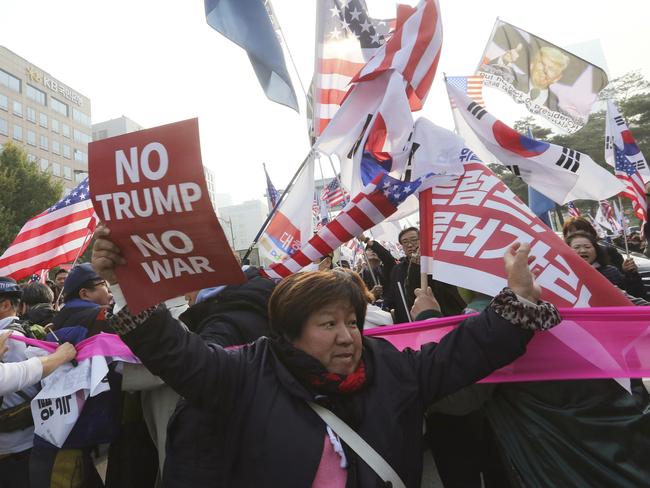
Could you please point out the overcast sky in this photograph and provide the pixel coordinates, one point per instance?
(157, 61)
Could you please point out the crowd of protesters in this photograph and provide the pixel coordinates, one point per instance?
(199, 412)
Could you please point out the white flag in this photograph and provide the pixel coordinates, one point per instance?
(560, 173)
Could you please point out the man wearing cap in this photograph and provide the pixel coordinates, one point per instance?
(15, 440)
(86, 298)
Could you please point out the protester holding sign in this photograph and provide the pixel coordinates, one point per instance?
(265, 391)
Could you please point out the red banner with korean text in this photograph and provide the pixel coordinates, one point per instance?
(148, 187)
(468, 223)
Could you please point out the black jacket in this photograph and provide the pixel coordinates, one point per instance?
(630, 281)
(237, 315)
(269, 436)
(382, 273)
(447, 295)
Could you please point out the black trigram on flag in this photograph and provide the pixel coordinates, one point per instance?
(476, 110)
(570, 159)
(619, 120)
(515, 169)
(609, 142)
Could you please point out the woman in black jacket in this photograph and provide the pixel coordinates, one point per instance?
(270, 435)
(586, 246)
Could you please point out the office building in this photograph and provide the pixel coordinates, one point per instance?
(46, 117)
(114, 127)
(241, 223)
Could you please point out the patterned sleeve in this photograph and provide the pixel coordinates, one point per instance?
(540, 316)
(124, 322)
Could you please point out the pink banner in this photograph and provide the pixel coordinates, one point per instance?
(605, 342)
(98, 345)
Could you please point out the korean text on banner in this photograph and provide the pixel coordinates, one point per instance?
(148, 188)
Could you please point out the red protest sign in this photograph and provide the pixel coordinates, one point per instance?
(148, 187)
(468, 223)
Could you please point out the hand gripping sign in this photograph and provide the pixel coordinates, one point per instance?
(148, 188)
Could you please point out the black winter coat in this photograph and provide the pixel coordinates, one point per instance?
(269, 436)
(237, 315)
(450, 301)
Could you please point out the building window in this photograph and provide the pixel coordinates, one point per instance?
(4, 102)
(56, 169)
(44, 164)
(65, 130)
(35, 94)
(67, 172)
(59, 106)
(42, 120)
(31, 114)
(80, 156)
(18, 108)
(18, 133)
(81, 137)
(55, 125)
(56, 147)
(43, 142)
(4, 128)
(31, 137)
(81, 117)
(66, 151)
(79, 176)
(10, 81)
(31, 158)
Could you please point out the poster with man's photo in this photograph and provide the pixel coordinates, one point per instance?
(550, 81)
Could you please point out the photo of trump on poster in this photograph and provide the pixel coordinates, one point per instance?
(549, 80)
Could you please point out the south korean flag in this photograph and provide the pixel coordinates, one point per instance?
(560, 173)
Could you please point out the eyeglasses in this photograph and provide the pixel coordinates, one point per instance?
(410, 242)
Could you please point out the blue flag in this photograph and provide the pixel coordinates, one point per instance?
(248, 24)
(540, 205)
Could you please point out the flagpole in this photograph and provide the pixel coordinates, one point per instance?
(322, 178)
(74, 263)
(620, 204)
(277, 205)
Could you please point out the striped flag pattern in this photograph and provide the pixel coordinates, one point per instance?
(472, 86)
(53, 237)
(346, 38)
(573, 210)
(377, 201)
(333, 194)
(413, 50)
(627, 172)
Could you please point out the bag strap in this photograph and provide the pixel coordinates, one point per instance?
(358, 445)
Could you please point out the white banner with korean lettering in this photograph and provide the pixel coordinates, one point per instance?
(468, 223)
(58, 405)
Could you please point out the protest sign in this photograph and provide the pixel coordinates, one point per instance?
(467, 225)
(148, 188)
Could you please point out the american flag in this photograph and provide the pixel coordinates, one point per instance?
(271, 193)
(472, 85)
(627, 172)
(55, 236)
(573, 210)
(377, 201)
(346, 38)
(608, 213)
(413, 50)
(333, 194)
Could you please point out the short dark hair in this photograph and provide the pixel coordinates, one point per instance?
(301, 294)
(59, 271)
(37, 293)
(575, 224)
(408, 229)
(601, 256)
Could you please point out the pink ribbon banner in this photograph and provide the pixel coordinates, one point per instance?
(603, 342)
